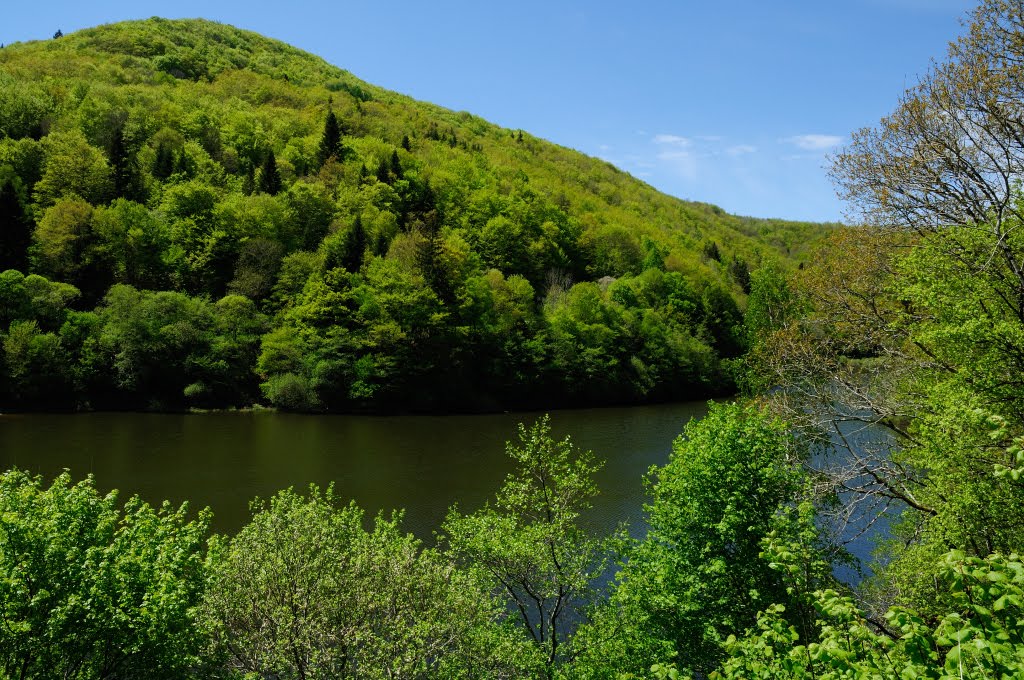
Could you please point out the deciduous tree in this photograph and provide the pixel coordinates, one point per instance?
(531, 542)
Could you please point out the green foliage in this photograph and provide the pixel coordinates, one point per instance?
(270, 176)
(304, 591)
(771, 304)
(194, 158)
(330, 142)
(531, 544)
(699, 576)
(88, 589)
(978, 636)
(15, 226)
(72, 166)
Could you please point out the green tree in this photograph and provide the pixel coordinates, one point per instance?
(24, 108)
(531, 542)
(699, 575)
(154, 344)
(383, 172)
(73, 167)
(977, 636)
(126, 181)
(270, 177)
(89, 589)
(163, 162)
(36, 367)
(330, 142)
(67, 246)
(304, 591)
(15, 226)
(395, 165)
(347, 248)
(739, 270)
(134, 243)
(772, 302)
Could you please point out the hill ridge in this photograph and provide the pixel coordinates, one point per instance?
(215, 140)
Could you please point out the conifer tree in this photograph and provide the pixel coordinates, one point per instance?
(270, 178)
(163, 165)
(406, 144)
(396, 165)
(249, 183)
(330, 142)
(181, 163)
(383, 173)
(15, 228)
(355, 246)
(121, 160)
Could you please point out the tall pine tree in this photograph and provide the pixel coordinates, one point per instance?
(163, 165)
(383, 171)
(330, 142)
(270, 178)
(355, 246)
(126, 184)
(396, 165)
(15, 227)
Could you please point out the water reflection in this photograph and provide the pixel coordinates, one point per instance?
(421, 463)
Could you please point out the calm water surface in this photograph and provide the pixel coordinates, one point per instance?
(424, 464)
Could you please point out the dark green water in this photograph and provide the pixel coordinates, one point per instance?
(421, 463)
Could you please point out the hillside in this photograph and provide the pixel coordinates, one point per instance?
(196, 215)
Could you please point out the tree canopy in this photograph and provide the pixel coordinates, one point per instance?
(198, 160)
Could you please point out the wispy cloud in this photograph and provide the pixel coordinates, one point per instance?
(689, 157)
(677, 153)
(672, 140)
(740, 149)
(814, 142)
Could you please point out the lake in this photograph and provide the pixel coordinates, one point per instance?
(424, 464)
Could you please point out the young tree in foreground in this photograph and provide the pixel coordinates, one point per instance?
(531, 543)
(304, 591)
(699, 574)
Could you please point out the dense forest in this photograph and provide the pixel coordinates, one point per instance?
(193, 215)
(908, 328)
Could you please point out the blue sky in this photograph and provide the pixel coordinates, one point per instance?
(736, 103)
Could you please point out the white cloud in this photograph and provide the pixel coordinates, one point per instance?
(681, 161)
(672, 140)
(814, 142)
(740, 149)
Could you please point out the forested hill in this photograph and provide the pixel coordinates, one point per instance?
(196, 215)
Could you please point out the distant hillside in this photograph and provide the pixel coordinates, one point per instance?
(208, 217)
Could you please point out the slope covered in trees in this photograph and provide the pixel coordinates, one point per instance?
(914, 327)
(195, 215)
